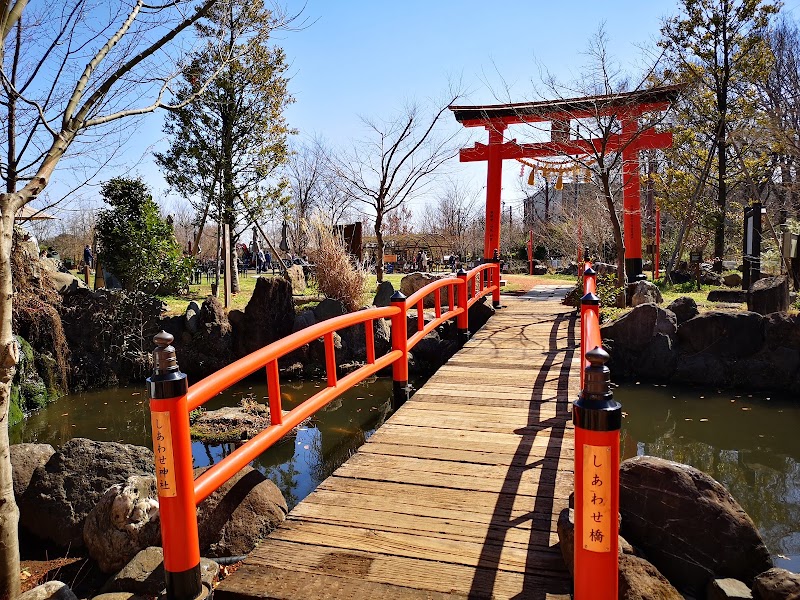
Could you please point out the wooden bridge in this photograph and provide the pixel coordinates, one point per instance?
(457, 494)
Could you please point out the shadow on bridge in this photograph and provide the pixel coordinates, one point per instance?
(535, 587)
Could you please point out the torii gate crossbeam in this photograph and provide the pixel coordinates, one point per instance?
(628, 107)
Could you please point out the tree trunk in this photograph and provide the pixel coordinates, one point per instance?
(9, 514)
(722, 165)
(616, 228)
(379, 238)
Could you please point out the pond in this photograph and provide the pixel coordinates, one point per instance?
(748, 442)
(296, 465)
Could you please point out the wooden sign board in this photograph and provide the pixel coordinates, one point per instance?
(165, 460)
(390, 258)
(696, 257)
(597, 524)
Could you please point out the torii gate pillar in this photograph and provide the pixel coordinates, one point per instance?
(494, 184)
(631, 204)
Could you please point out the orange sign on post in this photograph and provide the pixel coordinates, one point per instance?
(597, 498)
(165, 461)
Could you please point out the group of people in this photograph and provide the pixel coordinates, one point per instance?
(257, 258)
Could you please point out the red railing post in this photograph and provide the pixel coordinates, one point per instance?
(597, 418)
(400, 342)
(496, 292)
(172, 447)
(462, 320)
(590, 303)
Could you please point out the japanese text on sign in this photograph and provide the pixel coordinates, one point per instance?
(597, 498)
(162, 448)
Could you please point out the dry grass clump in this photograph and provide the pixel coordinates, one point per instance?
(338, 275)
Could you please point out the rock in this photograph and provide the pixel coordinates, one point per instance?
(25, 459)
(416, 281)
(354, 340)
(539, 270)
(192, 317)
(384, 294)
(732, 280)
(702, 368)
(65, 283)
(120, 596)
(727, 296)
(663, 503)
(303, 319)
(570, 269)
(710, 277)
(328, 309)
(269, 316)
(63, 491)
(684, 308)
(144, 574)
(782, 330)
(210, 348)
(682, 276)
(635, 329)
(604, 268)
(640, 580)
(297, 279)
(241, 513)
(230, 424)
(644, 292)
(777, 584)
(733, 335)
(124, 522)
(479, 313)
(52, 590)
(769, 295)
(728, 589)
(431, 352)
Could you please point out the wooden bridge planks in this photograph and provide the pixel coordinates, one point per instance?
(457, 495)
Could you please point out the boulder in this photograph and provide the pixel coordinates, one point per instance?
(570, 269)
(635, 329)
(241, 513)
(383, 295)
(123, 522)
(63, 491)
(479, 313)
(52, 590)
(604, 268)
(210, 348)
(732, 335)
(732, 280)
(708, 277)
(682, 276)
(192, 317)
(769, 295)
(702, 368)
(640, 580)
(431, 352)
(416, 281)
(65, 283)
(644, 292)
(728, 589)
(269, 316)
(303, 319)
(144, 574)
(727, 296)
(328, 309)
(539, 269)
(782, 330)
(25, 459)
(354, 340)
(297, 279)
(230, 424)
(687, 524)
(684, 308)
(777, 584)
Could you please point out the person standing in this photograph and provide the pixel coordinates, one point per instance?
(88, 257)
(267, 260)
(260, 262)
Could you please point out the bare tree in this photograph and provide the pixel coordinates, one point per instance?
(70, 73)
(456, 206)
(395, 162)
(308, 172)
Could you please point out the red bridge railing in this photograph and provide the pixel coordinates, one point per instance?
(171, 401)
(597, 419)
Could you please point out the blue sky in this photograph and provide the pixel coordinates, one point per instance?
(359, 58)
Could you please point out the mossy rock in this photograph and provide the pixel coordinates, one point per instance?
(29, 390)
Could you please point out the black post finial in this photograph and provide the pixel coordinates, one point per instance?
(164, 359)
(586, 253)
(597, 382)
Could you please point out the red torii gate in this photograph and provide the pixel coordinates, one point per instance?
(628, 107)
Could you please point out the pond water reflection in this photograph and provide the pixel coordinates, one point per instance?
(748, 442)
(296, 465)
